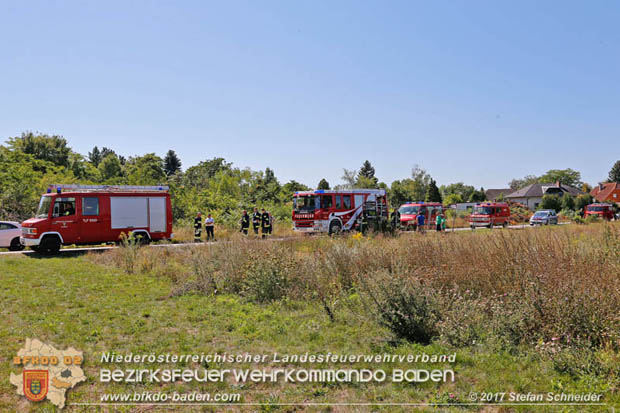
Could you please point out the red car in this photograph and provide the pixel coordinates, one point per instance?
(94, 214)
(488, 214)
(604, 211)
(410, 211)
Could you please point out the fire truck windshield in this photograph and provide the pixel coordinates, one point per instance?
(483, 210)
(596, 208)
(306, 203)
(44, 207)
(409, 210)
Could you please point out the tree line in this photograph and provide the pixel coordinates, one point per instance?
(32, 161)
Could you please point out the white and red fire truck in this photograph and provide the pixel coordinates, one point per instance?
(333, 211)
(94, 214)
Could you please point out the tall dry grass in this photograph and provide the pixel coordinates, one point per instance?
(547, 285)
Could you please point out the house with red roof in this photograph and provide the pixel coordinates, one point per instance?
(607, 192)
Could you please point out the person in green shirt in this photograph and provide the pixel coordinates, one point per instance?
(440, 223)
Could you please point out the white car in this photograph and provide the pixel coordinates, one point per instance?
(544, 217)
(9, 235)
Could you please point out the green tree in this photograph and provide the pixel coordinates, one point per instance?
(452, 199)
(145, 170)
(401, 191)
(323, 184)
(110, 167)
(523, 182)
(582, 200)
(172, 163)
(199, 175)
(291, 187)
(367, 171)
(568, 202)
(44, 147)
(458, 188)
(95, 157)
(551, 202)
(420, 181)
(614, 173)
(567, 177)
(433, 194)
(349, 179)
(478, 196)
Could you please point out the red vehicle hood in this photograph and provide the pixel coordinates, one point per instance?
(33, 222)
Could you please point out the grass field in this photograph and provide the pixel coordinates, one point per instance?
(524, 311)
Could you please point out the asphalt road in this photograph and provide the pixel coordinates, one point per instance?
(82, 250)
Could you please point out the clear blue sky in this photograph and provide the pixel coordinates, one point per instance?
(473, 91)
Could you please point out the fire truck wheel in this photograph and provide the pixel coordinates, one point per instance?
(142, 238)
(335, 228)
(16, 245)
(50, 245)
(505, 224)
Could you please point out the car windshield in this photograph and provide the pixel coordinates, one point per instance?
(44, 207)
(409, 209)
(483, 210)
(541, 214)
(306, 203)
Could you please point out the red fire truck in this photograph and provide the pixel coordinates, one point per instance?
(94, 214)
(487, 214)
(333, 211)
(604, 211)
(409, 213)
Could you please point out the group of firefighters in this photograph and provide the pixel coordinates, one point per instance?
(262, 220)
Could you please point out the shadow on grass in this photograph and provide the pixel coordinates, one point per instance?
(61, 254)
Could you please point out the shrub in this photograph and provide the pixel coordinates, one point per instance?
(407, 307)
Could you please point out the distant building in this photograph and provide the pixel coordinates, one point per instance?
(495, 194)
(607, 192)
(531, 195)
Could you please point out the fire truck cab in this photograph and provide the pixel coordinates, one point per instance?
(409, 213)
(95, 214)
(488, 214)
(333, 211)
(604, 211)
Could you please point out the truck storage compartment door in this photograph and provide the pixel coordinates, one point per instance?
(157, 214)
(129, 212)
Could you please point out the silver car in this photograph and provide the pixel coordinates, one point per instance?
(544, 217)
(9, 235)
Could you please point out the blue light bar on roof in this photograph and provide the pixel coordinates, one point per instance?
(319, 191)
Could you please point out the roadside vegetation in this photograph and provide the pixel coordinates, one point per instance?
(531, 310)
(549, 294)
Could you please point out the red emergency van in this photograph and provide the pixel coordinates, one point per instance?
(409, 212)
(94, 214)
(604, 211)
(488, 214)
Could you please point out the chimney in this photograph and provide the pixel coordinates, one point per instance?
(601, 186)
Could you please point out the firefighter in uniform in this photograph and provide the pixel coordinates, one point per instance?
(395, 219)
(245, 222)
(256, 220)
(265, 223)
(198, 227)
